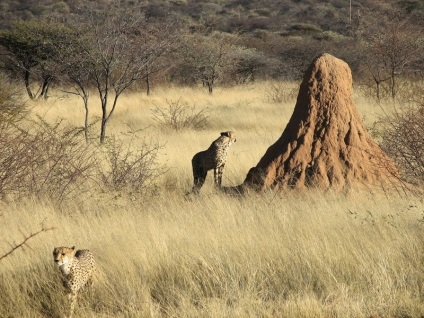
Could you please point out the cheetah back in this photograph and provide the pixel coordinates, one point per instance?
(84, 268)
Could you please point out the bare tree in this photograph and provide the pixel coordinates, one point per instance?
(116, 54)
(76, 78)
(163, 36)
(393, 46)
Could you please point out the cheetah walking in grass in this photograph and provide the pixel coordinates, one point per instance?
(214, 158)
(77, 269)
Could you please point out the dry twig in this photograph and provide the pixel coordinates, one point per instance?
(26, 239)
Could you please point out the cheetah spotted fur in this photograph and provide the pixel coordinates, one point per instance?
(214, 158)
(77, 270)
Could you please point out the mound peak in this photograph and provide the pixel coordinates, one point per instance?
(325, 144)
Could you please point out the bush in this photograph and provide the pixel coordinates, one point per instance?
(402, 134)
(55, 161)
(305, 27)
(126, 169)
(280, 92)
(179, 116)
(45, 160)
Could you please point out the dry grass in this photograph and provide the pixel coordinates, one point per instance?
(262, 256)
(172, 255)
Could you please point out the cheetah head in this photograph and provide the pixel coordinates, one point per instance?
(231, 135)
(63, 255)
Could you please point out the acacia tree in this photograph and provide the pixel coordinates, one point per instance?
(206, 57)
(247, 64)
(393, 46)
(31, 46)
(115, 53)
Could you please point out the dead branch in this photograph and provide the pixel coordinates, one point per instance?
(26, 239)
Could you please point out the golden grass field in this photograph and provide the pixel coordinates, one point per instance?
(166, 254)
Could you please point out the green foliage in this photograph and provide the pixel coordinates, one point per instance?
(34, 49)
(305, 28)
(206, 57)
(285, 31)
(33, 42)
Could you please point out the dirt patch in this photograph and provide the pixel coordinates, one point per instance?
(325, 144)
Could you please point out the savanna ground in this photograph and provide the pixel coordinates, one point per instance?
(166, 254)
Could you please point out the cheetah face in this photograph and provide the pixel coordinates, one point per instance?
(231, 135)
(63, 255)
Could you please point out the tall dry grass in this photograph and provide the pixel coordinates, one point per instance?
(303, 255)
(171, 255)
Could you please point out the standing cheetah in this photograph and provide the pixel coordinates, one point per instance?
(212, 158)
(77, 269)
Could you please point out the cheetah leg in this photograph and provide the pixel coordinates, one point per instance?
(199, 179)
(218, 176)
(73, 299)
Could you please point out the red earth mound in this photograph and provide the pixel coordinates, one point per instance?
(325, 144)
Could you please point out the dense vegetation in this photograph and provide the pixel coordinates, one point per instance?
(271, 38)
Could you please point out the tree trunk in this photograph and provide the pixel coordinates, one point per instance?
(148, 84)
(209, 84)
(45, 87)
(85, 98)
(104, 122)
(147, 80)
(378, 90)
(393, 84)
(28, 88)
(103, 131)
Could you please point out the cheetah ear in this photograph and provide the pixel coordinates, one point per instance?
(225, 133)
(73, 247)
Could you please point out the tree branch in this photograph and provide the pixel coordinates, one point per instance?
(26, 239)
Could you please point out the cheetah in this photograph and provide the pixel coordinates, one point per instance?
(77, 269)
(214, 158)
